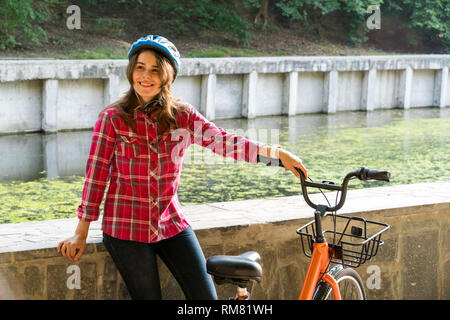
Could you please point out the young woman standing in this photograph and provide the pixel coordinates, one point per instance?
(138, 145)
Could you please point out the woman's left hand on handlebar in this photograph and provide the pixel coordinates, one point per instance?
(290, 161)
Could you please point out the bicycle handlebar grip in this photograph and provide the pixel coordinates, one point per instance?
(379, 175)
(269, 161)
(367, 174)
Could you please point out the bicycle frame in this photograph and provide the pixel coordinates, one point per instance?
(318, 266)
(319, 262)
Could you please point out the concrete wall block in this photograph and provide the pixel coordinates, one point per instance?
(80, 102)
(446, 280)
(208, 96)
(5, 258)
(269, 94)
(386, 287)
(249, 95)
(20, 106)
(111, 89)
(330, 92)
(446, 235)
(57, 282)
(28, 255)
(349, 91)
(447, 92)
(310, 92)
(188, 89)
(386, 89)
(12, 283)
(369, 90)
(50, 105)
(34, 281)
(405, 88)
(387, 252)
(441, 88)
(428, 221)
(422, 88)
(108, 290)
(289, 104)
(419, 279)
(88, 283)
(229, 92)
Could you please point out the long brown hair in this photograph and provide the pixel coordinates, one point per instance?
(164, 110)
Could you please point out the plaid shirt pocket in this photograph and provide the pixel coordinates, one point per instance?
(131, 147)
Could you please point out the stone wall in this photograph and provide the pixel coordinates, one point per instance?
(414, 262)
(55, 95)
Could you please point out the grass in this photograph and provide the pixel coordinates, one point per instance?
(219, 51)
(95, 53)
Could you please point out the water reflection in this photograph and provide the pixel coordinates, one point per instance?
(28, 157)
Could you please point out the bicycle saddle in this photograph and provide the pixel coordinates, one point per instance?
(235, 269)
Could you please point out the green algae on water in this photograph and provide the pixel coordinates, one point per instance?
(414, 150)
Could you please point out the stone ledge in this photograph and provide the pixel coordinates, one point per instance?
(16, 70)
(43, 235)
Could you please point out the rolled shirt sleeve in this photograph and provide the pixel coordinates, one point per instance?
(207, 134)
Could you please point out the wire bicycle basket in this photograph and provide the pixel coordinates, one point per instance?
(352, 240)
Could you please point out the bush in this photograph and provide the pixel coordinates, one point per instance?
(18, 16)
(432, 17)
(355, 12)
(196, 15)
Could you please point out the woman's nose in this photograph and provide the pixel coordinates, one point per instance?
(147, 74)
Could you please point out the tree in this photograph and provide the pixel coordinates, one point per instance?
(263, 12)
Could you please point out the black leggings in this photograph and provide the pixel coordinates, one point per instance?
(182, 254)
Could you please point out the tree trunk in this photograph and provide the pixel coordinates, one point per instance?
(263, 12)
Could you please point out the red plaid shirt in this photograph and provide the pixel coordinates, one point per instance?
(143, 167)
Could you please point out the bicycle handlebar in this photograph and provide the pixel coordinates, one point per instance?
(362, 173)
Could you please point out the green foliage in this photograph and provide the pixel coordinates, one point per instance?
(298, 9)
(19, 16)
(354, 10)
(430, 16)
(195, 15)
(23, 22)
(107, 26)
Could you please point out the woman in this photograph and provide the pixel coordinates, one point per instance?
(137, 145)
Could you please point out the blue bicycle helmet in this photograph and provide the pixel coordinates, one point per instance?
(160, 44)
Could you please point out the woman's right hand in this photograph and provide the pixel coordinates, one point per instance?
(72, 248)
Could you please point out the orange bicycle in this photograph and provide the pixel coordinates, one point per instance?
(356, 241)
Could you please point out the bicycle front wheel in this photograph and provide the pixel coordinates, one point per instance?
(350, 286)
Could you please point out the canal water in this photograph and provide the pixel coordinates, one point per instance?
(41, 175)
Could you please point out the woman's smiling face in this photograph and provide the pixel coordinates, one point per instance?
(146, 78)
